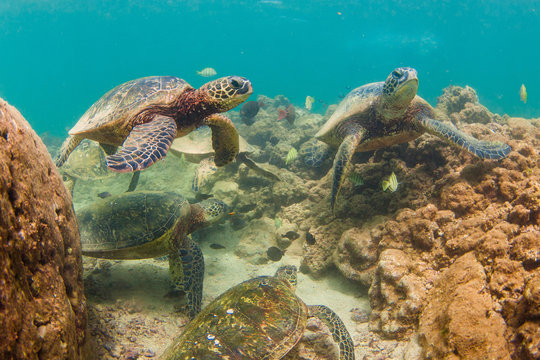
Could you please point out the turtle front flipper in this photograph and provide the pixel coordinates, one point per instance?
(337, 328)
(483, 149)
(257, 168)
(224, 138)
(186, 266)
(342, 162)
(67, 147)
(146, 144)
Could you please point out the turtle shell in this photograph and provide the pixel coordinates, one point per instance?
(259, 316)
(356, 103)
(133, 225)
(87, 162)
(117, 107)
(197, 145)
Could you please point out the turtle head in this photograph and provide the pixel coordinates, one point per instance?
(207, 212)
(399, 89)
(227, 92)
(287, 273)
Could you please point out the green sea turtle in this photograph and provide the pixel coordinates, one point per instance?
(197, 148)
(87, 162)
(381, 114)
(149, 224)
(261, 318)
(145, 115)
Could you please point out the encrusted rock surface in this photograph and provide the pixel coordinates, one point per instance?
(42, 303)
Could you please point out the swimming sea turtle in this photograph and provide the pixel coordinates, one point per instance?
(148, 224)
(197, 147)
(87, 162)
(381, 114)
(145, 115)
(261, 318)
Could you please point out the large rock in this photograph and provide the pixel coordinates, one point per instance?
(459, 318)
(42, 304)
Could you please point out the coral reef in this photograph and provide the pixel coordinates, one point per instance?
(42, 303)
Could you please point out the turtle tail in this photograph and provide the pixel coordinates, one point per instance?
(67, 147)
(483, 149)
(342, 161)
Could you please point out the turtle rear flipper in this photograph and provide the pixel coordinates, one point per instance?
(256, 167)
(342, 162)
(224, 138)
(146, 144)
(186, 266)
(67, 147)
(482, 149)
(337, 328)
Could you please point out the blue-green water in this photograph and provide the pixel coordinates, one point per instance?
(58, 57)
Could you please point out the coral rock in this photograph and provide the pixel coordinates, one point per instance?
(42, 304)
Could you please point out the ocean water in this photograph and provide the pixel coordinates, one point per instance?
(58, 57)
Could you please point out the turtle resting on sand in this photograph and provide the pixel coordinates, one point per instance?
(197, 148)
(149, 224)
(261, 318)
(386, 113)
(145, 116)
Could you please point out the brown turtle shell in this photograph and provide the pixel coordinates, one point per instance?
(115, 110)
(259, 316)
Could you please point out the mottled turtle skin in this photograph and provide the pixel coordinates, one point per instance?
(382, 114)
(261, 318)
(149, 224)
(145, 115)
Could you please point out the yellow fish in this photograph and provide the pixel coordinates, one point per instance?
(309, 102)
(291, 156)
(523, 93)
(391, 183)
(207, 72)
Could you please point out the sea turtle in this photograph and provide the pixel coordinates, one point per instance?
(381, 114)
(148, 224)
(145, 115)
(261, 318)
(197, 148)
(87, 162)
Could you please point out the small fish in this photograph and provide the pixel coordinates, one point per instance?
(291, 235)
(232, 213)
(289, 114)
(523, 93)
(310, 239)
(391, 183)
(356, 179)
(249, 110)
(274, 253)
(291, 156)
(207, 72)
(309, 102)
(217, 246)
(104, 194)
(278, 223)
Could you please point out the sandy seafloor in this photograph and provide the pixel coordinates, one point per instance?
(130, 315)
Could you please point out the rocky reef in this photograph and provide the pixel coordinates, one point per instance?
(42, 302)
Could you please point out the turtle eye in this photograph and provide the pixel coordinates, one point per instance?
(235, 84)
(397, 74)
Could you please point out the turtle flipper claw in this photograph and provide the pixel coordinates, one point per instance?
(146, 144)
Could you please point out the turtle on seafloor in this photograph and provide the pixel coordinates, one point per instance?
(149, 224)
(145, 116)
(261, 318)
(196, 148)
(386, 113)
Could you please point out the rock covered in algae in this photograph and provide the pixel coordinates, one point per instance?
(42, 304)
